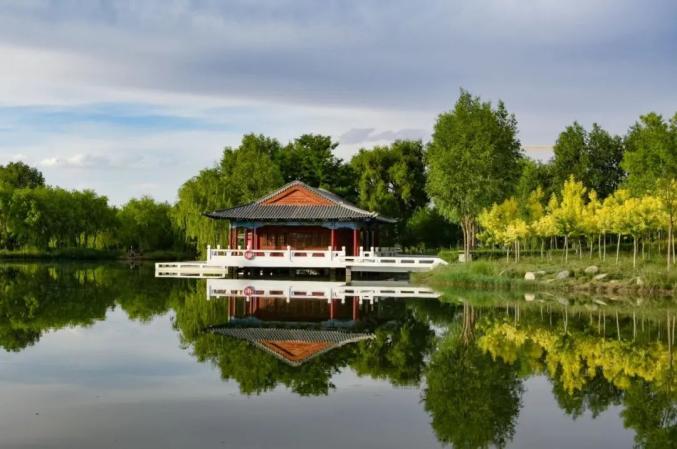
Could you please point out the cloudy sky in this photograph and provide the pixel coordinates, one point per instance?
(133, 98)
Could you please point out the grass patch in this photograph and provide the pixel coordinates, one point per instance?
(649, 277)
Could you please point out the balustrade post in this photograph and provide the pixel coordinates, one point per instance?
(289, 252)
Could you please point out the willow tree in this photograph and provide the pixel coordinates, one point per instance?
(473, 161)
(244, 174)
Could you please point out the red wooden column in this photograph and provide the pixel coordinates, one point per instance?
(333, 239)
(356, 242)
(332, 309)
(356, 308)
(255, 243)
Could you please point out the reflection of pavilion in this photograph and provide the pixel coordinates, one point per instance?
(296, 321)
(293, 346)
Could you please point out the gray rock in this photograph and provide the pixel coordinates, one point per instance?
(529, 276)
(601, 276)
(529, 297)
(563, 274)
(592, 269)
(640, 282)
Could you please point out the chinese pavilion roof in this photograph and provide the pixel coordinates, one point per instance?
(297, 201)
(293, 346)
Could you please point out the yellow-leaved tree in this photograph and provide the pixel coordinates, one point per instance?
(568, 216)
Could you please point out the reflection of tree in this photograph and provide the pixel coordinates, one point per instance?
(474, 401)
(596, 395)
(40, 297)
(652, 412)
(37, 298)
(255, 371)
(397, 351)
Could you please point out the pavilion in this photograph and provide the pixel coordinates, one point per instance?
(298, 227)
(301, 217)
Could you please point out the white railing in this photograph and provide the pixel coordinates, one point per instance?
(290, 290)
(262, 258)
(373, 258)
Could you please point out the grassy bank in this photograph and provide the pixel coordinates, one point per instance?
(650, 277)
(87, 254)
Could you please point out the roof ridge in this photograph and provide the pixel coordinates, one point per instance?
(287, 186)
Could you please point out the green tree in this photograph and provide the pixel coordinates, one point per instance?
(243, 175)
(593, 157)
(651, 162)
(534, 174)
(146, 225)
(18, 175)
(391, 180)
(605, 153)
(310, 158)
(473, 161)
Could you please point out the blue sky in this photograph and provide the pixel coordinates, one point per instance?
(133, 98)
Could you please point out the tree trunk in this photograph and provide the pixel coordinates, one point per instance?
(566, 248)
(618, 248)
(670, 244)
(466, 225)
(634, 251)
(604, 251)
(599, 246)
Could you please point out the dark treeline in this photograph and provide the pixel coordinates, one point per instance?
(435, 190)
(34, 215)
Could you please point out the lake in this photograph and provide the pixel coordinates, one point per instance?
(107, 356)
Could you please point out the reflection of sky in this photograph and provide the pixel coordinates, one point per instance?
(125, 384)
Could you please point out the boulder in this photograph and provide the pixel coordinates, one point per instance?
(600, 276)
(563, 274)
(640, 282)
(529, 276)
(592, 269)
(529, 297)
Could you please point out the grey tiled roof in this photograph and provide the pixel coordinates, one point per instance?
(340, 210)
(255, 336)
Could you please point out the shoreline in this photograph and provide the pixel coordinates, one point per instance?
(85, 255)
(535, 275)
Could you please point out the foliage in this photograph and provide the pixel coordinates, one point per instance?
(243, 175)
(473, 400)
(391, 180)
(310, 158)
(145, 224)
(473, 160)
(593, 157)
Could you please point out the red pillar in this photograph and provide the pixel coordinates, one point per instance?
(332, 310)
(255, 244)
(356, 242)
(333, 239)
(356, 308)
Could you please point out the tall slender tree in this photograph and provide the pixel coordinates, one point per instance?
(473, 161)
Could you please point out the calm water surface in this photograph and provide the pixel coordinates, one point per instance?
(109, 357)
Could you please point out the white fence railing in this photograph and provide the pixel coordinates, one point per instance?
(373, 258)
(290, 290)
